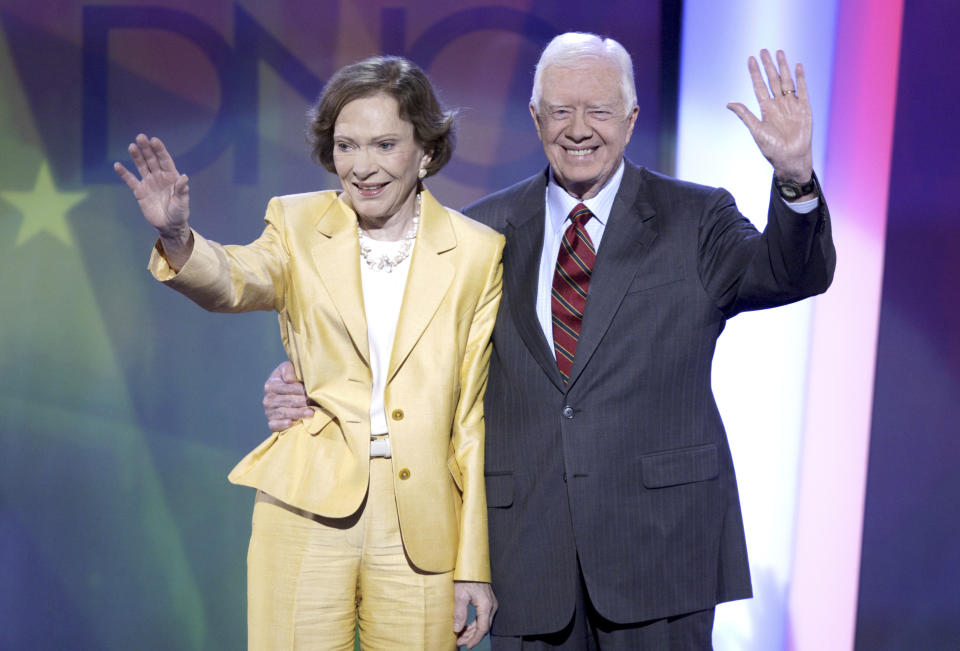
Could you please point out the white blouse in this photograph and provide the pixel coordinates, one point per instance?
(382, 298)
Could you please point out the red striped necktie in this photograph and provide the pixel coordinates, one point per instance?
(571, 282)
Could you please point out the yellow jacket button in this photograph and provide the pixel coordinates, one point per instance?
(405, 474)
(397, 414)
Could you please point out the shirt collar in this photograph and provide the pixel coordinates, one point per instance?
(559, 203)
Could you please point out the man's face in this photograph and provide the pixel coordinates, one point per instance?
(583, 124)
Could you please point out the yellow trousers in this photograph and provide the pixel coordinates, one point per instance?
(311, 580)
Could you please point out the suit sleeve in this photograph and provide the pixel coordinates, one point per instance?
(473, 558)
(743, 269)
(232, 278)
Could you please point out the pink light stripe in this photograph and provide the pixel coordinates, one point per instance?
(825, 576)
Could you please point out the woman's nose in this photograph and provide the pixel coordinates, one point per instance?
(364, 164)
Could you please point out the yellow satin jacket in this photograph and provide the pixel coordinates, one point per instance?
(306, 266)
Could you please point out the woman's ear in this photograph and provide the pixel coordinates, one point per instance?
(424, 163)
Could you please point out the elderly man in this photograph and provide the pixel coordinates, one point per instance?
(612, 501)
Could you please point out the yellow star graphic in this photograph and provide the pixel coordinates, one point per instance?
(44, 208)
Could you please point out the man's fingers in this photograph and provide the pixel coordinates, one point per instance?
(745, 115)
(773, 77)
(786, 83)
(287, 373)
(801, 84)
(288, 413)
(272, 402)
(281, 419)
(277, 387)
(759, 88)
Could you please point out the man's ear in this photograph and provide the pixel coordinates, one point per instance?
(536, 120)
(632, 119)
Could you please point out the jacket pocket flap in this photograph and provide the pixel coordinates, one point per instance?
(318, 421)
(499, 489)
(644, 281)
(680, 466)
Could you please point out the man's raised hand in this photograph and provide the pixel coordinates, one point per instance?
(785, 128)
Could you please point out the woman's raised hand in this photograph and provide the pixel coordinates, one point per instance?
(162, 192)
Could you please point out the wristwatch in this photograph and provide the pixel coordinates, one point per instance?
(791, 190)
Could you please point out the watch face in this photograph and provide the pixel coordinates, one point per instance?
(788, 190)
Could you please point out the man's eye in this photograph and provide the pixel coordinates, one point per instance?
(560, 114)
(601, 115)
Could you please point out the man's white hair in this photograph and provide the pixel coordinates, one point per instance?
(571, 48)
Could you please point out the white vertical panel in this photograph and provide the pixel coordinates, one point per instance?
(761, 361)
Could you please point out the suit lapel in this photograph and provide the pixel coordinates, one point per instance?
(521, 272)
(628, 234)
(337, 258)
(428, 281)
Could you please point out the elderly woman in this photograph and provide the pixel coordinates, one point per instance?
(371, 511)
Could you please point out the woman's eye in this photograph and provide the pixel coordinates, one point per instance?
(343, 147)
(386, 146)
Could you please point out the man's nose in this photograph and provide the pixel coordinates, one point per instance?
(579, 129)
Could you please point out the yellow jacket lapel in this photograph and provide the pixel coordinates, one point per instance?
(428, 281)
(338, 226)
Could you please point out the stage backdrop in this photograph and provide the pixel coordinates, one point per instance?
(122, 405)
(910, 570)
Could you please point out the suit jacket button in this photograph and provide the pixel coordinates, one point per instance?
(568, 412)
(404, 474)
(397, 414)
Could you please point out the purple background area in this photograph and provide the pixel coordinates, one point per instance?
(910, 566)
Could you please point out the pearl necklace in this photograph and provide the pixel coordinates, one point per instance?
(386, 261)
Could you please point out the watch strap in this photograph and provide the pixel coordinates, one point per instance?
(791, 190)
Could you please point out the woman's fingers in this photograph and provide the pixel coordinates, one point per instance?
(138, 160)
(147, 151)
(126, 176)
(164, 160)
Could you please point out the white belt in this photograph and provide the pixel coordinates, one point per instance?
(380, 447)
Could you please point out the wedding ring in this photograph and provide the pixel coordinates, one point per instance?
(789, 92)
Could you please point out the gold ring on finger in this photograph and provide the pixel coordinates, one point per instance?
(790, 91)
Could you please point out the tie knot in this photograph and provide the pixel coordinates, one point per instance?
(580, 215)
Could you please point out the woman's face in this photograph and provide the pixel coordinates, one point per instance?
(377, 159)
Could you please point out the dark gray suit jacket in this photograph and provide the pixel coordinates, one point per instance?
(627, 468)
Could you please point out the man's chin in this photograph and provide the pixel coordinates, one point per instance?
(578, 184)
